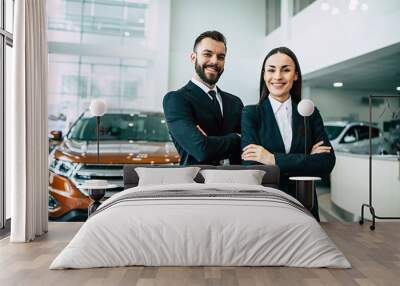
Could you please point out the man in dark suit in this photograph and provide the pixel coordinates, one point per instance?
(203, 120)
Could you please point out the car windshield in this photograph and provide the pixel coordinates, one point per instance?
(122, 127)
(333, 131)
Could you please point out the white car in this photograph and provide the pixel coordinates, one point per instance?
(353, 137)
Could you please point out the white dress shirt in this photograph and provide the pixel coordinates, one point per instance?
(283, 116)
(206, 89)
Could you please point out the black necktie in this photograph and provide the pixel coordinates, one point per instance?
(215, 103)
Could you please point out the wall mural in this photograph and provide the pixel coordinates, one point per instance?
(102, 50)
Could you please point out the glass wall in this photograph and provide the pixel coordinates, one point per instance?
(104, 49)
(117, 51)
(97, 21)
(77, 79)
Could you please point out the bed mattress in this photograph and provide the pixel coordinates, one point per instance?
(201, 225)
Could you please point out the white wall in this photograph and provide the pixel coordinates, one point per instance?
(321, 39)
(350, 184)
(158, 38)
(336, 104)
(243, 24)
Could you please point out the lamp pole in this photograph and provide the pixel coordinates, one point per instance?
(305, 186)
(305, 135)
(97, 108)
(305, 108)
(98, 137)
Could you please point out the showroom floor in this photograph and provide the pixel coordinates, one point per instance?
(328, 211)
(374, 255)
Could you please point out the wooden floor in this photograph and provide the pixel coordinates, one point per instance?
(374, 255)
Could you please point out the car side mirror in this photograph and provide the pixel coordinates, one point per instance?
(349, 139)
(56, 135)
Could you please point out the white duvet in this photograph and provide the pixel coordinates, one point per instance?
(183, 231)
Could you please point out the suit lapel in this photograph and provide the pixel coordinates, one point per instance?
(297, 130)
(225, 106)
(225, 103)
(204, 100)
(275, 134)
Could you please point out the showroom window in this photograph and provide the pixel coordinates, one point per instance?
(6, 43)
(107, 49)
(299, 5)
(273, 15)
(117, 51)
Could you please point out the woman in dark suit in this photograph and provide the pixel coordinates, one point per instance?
(273, 131)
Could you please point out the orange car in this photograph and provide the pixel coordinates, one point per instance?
(125, 138)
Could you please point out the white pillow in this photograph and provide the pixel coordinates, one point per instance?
(166, 176)
(248, 177)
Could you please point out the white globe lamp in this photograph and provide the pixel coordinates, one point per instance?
(97, 107)
(305, 108)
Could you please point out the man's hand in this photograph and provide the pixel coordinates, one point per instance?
(317, 148)
(259, 154)
(201, 130)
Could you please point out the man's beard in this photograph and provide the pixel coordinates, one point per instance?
(200, 70)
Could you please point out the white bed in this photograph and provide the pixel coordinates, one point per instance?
(201, 224)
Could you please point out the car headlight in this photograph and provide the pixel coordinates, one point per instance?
(53, 203)
(61, 167)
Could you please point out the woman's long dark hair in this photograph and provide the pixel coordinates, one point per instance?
(295, 91)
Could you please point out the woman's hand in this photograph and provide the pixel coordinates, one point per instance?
(259, 154)
(317, 148)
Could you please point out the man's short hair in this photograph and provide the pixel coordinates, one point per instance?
(215, 35)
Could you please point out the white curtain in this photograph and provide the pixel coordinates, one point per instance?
(27, 148)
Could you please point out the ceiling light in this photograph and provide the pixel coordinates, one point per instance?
(325, 6)
(398, 88)
(364, 6)
(127, 34)
(335, 11)
(338, 84)
(353, 5)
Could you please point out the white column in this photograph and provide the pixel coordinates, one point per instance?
(286, 20)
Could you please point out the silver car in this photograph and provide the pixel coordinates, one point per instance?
(353, 137)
